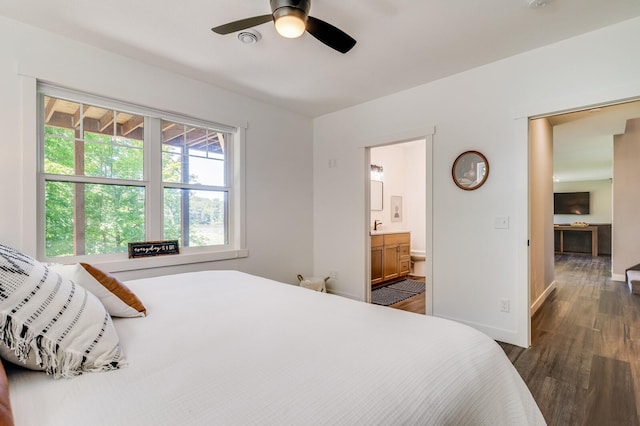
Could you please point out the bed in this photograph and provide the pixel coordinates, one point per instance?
(229, 348)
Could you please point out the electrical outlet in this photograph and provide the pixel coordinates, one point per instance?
(504, 305)
(333, 274)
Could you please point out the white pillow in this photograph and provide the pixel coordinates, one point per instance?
(114, 295)
(49, 323)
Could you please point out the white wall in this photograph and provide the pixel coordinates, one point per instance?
(404, 175)
(279, 207)
(474, 264)
(601, 201)
(392, 159)
(415, 182)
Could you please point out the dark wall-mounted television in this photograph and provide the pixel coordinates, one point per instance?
(571, 203)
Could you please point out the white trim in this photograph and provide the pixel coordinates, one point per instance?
(172, 260)
(343, 294)
(422, 134)
(543, 297)
(93, 180)
(499, 334)
(618, 277)
(610, 95)
(154, 193)
(31, 223)
(30, 111)
(428, 249)
(130, 107)
(62, 80)
(604, 96)
(398, 137)
(367, 224)
(521, 227)
(237, 222)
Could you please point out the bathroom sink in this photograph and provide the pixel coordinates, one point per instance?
(387, 231)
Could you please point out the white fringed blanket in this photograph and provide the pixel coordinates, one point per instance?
(229, 348)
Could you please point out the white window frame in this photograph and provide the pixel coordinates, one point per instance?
(154, 187)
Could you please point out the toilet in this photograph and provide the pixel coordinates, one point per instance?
(419, 263)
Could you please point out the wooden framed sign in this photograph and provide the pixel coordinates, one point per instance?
(153, 248)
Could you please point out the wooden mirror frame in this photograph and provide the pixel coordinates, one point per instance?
(465, 170)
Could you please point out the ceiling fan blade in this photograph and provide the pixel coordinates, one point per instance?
(330, 35)
(242, 24)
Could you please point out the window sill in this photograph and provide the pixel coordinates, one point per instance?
(126, 265)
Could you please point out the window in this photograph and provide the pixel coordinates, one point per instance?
(193, 158)
(112, 173)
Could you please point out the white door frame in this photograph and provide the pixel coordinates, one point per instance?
(427, 137)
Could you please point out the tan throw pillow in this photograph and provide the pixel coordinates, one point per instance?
(6, 415)
(49, 323)
(114, 295)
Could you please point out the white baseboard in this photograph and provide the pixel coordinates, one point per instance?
(545, 294)
(343, 294)
(618, 277)
(501, 335)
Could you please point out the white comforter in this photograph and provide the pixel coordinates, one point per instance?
(227, 348)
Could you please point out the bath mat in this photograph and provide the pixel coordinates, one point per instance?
(386, 296)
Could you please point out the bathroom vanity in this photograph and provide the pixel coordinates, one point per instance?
(390, 255)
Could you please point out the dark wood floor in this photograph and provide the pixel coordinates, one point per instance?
(416, 304)
(583, 367)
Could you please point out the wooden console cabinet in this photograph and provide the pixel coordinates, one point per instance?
(390, 256)
(597, 242)
(560, 232)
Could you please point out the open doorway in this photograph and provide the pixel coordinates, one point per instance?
(398, 226)
(572, 155)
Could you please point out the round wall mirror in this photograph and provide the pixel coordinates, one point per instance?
(470, 170)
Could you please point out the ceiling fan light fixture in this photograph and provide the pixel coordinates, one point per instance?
(290, 22)
(291, 19)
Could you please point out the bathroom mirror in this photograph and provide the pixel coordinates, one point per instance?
(470, 170)
(376, 195)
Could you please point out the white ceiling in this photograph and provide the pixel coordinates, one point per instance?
(401, 43)
(583, 141)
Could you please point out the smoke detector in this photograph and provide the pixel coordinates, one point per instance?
(249, 36)
(534, 4)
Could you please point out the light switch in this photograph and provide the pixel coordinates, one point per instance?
(501, 222)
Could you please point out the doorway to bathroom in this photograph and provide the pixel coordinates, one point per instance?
(398, 222)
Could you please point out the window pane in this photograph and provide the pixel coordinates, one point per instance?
(192, 155)
(86, 140)
(130, 129)
(58, 151)
(59, 229)
(92, 219)
(108, 157)
(62, 114)
(195, 218)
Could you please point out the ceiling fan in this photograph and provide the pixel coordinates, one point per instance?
(291, 19)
